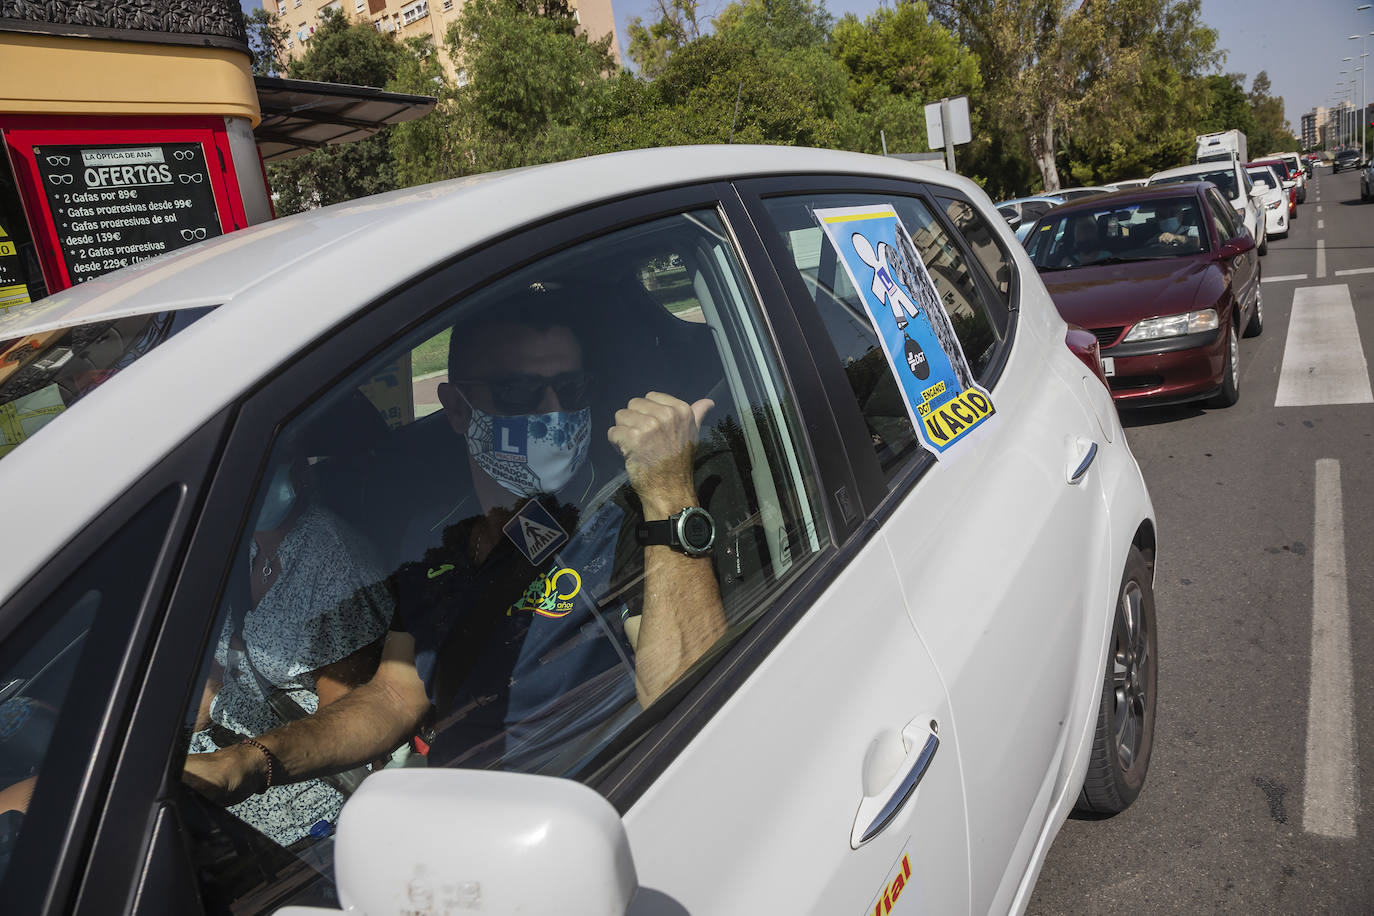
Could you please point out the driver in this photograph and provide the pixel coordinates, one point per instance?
(504, 657)
(1177, 224)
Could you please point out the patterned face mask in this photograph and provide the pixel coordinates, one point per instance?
(530, 453)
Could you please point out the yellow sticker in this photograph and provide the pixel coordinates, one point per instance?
(954, 419)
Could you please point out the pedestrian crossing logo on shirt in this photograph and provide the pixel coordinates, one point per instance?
(535, 532)
(902, 304)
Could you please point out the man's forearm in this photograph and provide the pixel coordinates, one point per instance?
(682, 619)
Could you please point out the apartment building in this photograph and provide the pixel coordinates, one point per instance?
(1313, 127)
(410, 18)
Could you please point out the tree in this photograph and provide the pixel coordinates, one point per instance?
(1228, 107)
(353, 54)
(1271, 127)
(897, 61)
(652, 45)
(425, 149)
(1056, 68)
(266, 42)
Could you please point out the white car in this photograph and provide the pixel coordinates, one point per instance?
(1273, 199)
(1294, 162)
(1230, 179)
(875, 654)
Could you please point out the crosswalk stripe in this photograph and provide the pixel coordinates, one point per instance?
(1353, 271)
(1321, 258)
(1323, 362)
(1284, 278)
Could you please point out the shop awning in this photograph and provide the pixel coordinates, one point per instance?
(300, 115)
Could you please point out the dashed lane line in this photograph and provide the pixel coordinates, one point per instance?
(1323, 361)
(1319, 208)
(1328, 798)
(1321, 258)
(1321, 224)
(1285, 278)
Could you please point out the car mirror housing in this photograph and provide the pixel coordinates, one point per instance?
(1261, 188)
(1238, 245)
(494, 842)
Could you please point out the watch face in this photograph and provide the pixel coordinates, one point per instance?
(698, 530)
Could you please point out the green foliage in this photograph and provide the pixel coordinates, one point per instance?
(652, 45)
(1228, 107)
(897, 61)
(776, 25)
(1271, 127)
(425, 149)
(266, 42)
(354, 54)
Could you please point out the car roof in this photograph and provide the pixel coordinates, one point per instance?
(283, 284)
(1049, 198)
(1128, 196)
(227, 268)
(1196, 168)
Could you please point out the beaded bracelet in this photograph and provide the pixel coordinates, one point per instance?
(265, 753)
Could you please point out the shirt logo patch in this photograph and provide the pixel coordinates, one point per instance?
(535, 532)
(551, 594)
(436, 573)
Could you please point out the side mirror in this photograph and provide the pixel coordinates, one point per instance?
(449, 840)
(1013, 220)
(1238, 245)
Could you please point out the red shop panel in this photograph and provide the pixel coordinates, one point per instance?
(104, 193)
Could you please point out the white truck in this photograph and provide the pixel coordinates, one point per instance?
(1221, 146)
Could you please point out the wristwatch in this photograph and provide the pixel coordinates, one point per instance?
(691, 532)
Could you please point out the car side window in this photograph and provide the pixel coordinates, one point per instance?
(40, 661)
(986, 247)
(1223, 217)
(508, 527)
(842, 310)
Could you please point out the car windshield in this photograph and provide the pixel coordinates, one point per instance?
(1146, 230)
(42, 375)
(1265, 176)
(1224, 179)
(1347, 154)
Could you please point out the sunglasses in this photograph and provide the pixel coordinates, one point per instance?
(519, 394)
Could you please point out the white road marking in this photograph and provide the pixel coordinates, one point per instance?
(1328, 796)
(1355, 270)
(1319, 208)
(1321, 224)
(1323, 362)
(1283, 279)
(1321, 258)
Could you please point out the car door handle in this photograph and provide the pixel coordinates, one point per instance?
(921, 739)
(1085, 460)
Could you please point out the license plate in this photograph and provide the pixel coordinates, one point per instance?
(1108, 366)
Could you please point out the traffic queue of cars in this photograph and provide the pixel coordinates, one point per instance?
(1167, 284)
(489, 545)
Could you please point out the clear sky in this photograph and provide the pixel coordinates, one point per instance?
(1300, 44)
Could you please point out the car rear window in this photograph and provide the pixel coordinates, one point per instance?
(1224, 179)
(41, 375)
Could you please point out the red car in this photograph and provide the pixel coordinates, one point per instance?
(1166, 278)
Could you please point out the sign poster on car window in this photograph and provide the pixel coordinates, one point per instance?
(917, 336)
(113, 206)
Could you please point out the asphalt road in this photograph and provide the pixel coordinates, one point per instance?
(1260, 796)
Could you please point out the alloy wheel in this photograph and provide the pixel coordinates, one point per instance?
(1130, 675)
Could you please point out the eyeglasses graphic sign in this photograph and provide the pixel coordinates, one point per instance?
(115, 205)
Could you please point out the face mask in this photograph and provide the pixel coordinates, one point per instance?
(530, 453)
(280, 498)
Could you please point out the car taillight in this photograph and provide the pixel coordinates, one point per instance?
(1084, 345)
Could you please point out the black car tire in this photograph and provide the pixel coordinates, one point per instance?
(1255, 326)
(1124, 735)
(1230, 373)
(1264, 244)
